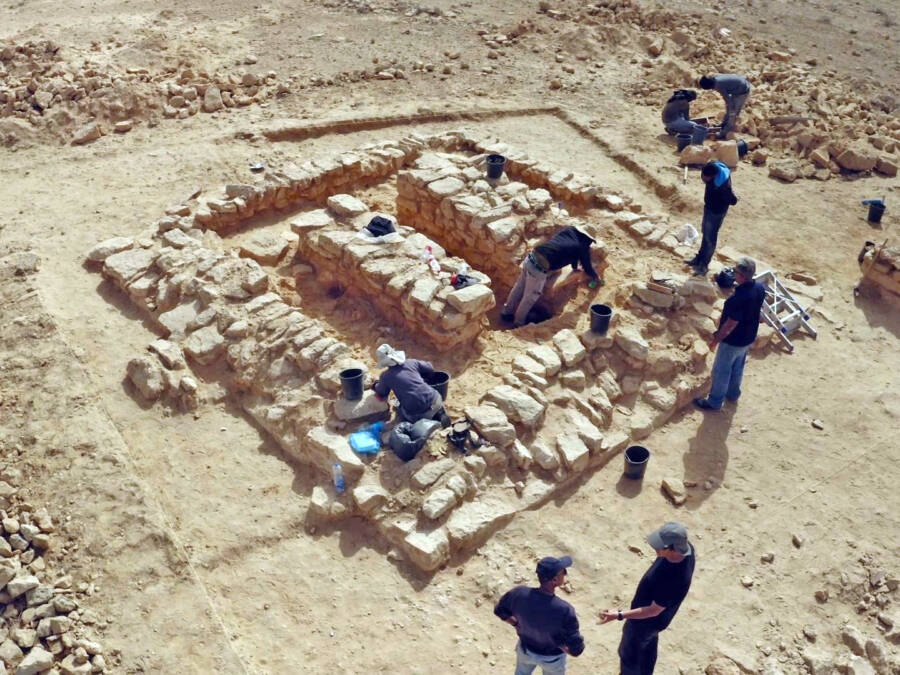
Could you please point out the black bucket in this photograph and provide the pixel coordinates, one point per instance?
(636, 457)
(495, 166)
(352, 383)
(742, 148)
(683, 140)
(438, 381)
(600, 316)
(875, 212)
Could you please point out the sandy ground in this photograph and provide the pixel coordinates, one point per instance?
(193, 525)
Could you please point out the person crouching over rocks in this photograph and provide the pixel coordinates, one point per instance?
(569, 246)
(417, 399)
(676, 116)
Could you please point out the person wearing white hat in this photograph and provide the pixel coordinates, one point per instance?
(569, 246)
(405, 377)
(659, 594)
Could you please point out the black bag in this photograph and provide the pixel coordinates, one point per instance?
(380, 226)
(403, 442)
(725, 278)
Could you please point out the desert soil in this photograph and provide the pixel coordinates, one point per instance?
(192, 526)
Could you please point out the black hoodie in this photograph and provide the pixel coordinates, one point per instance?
(568, 247)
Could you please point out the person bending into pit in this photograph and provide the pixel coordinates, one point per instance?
(676, 115)
(735, 89)
(569, 246)
(405, 377)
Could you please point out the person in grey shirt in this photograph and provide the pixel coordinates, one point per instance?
(735, 89)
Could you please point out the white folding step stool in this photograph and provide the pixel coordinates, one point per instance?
(781, 310)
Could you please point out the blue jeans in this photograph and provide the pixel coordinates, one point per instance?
(637, 650)
(712, 221)
(727, 373)
(527, 661)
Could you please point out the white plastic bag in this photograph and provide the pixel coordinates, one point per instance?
(688, 234)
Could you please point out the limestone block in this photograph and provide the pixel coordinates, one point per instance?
(204, 345)
(547, 357)
(445, 187)
(21, 584)
(660, 398)
(886, 166)
(632, 343)
(521, 455)
(608, 383)
(492, 424)
(573, 451)
(787, 170)
(312, 220)
(539, 198)
(641, 228)
(474, 299)
(701, 288)
(428, 550)
(695, 154)
(589, 434)
(516, 404)
(569, 346)
(856, 159)
(545, 456)
(592, 340)
(573, 379)
(470, 524)
(169, 353)
(727, 153)
(641, 424)
(438, 502)
(423, 291)
(37, 660)
(614, 441)
(325, 504)
(370, 498)
(104, 249)
(526, 364)
(146, 375)
(266, 248)
(368, 407)
(128, 264)
(505, 230)
(652, 297)
(322, 447)
(346, 206)
(429, 473)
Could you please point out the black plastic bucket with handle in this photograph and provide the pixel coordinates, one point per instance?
(600, 317)
(352, 383)
(636, 458)
(495, 166)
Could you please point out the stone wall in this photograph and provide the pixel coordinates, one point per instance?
(393, 275)
(881, 268)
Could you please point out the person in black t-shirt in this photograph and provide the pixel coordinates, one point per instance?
(736, 334)
(569, 246)
(656, 601)
(547, 625)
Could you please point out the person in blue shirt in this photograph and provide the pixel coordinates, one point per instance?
(737, 332)
(406, 379)
(546, 625)
(716, 200)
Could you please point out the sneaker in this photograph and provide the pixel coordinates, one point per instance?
(507, 318)
(704, 404)
(691, 262)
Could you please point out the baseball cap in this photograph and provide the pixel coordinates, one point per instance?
(671, 535)
(547, 568)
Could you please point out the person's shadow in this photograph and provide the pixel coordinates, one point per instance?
(706, 459)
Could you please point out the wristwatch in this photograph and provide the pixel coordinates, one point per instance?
(620, 615)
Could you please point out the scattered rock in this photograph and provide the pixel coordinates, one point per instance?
(674, 490)
(86, 134)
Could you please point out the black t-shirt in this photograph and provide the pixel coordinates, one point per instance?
(546, 622)
(665, 583)
(744, 306)
(568, 247)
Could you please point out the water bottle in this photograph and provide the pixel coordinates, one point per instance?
(337, 475)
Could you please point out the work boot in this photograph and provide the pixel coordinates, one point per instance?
(704, 404)
(691, 262)
(700, 270)
(507, 317)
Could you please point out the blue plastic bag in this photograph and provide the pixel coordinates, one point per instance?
(367, 441)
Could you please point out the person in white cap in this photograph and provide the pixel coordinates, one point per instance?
(569, 246)
(405, 377)
(656, 601)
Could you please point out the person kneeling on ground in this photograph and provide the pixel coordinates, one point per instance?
(676, 115)
(737, 332)
(547, 625)
(405, 377)
(569, 246)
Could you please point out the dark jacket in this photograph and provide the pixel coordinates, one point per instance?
(677, 108)
(719, 195)
(568, 247)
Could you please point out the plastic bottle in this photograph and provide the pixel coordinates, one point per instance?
(337, 475)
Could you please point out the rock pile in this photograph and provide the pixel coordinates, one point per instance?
(78, 103)
(42, 628)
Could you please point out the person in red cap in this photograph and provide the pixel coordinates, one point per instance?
(546, 625)
(656, 601)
